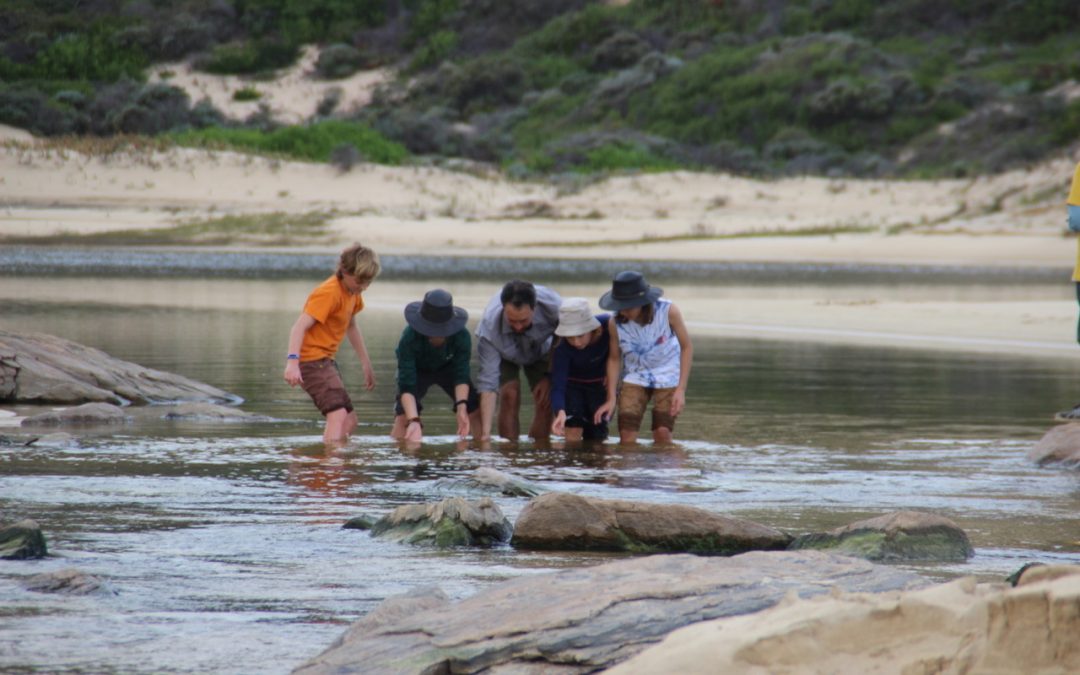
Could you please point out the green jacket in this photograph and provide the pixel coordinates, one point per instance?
(415, 353)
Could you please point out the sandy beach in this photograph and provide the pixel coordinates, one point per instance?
(1003, 222)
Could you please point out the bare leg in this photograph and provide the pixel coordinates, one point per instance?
(474, 423)
(573, 434)
(509, 407)
(662, 436)
(338, 425)
(627, 436)
(398, 430)
(540, 429)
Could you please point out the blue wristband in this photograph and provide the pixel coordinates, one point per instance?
(293, 357)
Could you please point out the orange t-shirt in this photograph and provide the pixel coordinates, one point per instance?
(333, 308)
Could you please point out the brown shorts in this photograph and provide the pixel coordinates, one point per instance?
(534, 372)
(323, 384)
(633, 399)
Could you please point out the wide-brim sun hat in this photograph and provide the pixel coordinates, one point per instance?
(628, 290)
(575, 318)
(435, 315)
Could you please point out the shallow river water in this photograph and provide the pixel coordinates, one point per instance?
(224, 545)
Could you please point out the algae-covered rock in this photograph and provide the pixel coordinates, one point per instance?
(22, 540)
(451, 522)
(903, 535)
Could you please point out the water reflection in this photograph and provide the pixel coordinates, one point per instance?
(225, 541)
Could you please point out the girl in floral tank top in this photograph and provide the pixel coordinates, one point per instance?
(651, 349)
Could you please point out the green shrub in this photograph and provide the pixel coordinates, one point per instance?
(622, 156)
(247, 58)
(315, 142)
(434, 50)
(247, 94)
(90, 56)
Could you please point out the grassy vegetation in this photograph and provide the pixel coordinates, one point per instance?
(263, 229)
(315, 142)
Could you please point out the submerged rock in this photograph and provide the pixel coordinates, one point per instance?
(200, 411)
(451, 522)
(68, 581)
(586, 619)
(359, 523)
(39, 368)
(562, 521)
(490, 481)
(1060, 445)
(87, 414)
(903, 535)
(22, 540)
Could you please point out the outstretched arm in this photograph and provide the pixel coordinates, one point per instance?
(356, 339)
(614, 370)
(678, 401)
(296, 340)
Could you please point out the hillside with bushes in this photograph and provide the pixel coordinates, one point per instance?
(902, 88)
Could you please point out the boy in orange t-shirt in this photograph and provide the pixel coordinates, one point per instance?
(329, 316)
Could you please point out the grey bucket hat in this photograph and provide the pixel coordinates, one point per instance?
(629, 289)
(436, 315)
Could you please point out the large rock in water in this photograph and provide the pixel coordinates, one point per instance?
(585, 619)
(22, 540)
(902, 535)
(39, 368)
(1060, 445)
(451, 522)
(958, 627)
(562, 521)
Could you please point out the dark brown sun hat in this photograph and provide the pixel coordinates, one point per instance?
(629, 289)
(436, 315)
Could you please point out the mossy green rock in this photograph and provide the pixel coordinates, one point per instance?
(451, 522)
(899, 536)
(22, 540)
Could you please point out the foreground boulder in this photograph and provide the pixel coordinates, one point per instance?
(451, 522)
(69, 581)
(1060, 445)
(585, 619)
(39, 368)
(22, 540)
(903, 535)
(562, 521)
(958, 627)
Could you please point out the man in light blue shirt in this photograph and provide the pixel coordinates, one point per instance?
(515, 333)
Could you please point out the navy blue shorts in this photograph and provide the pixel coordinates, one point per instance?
(582, 402)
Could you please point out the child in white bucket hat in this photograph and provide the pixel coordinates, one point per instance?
(579, 371)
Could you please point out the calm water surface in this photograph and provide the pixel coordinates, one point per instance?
(224, 541)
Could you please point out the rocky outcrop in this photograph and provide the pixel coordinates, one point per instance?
(22, 540)
(1060, 445)
(562, 521)
(68, 581)
(585, 619)
(958, 627)
(39, 368)
(451, 522)
(903, 535)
